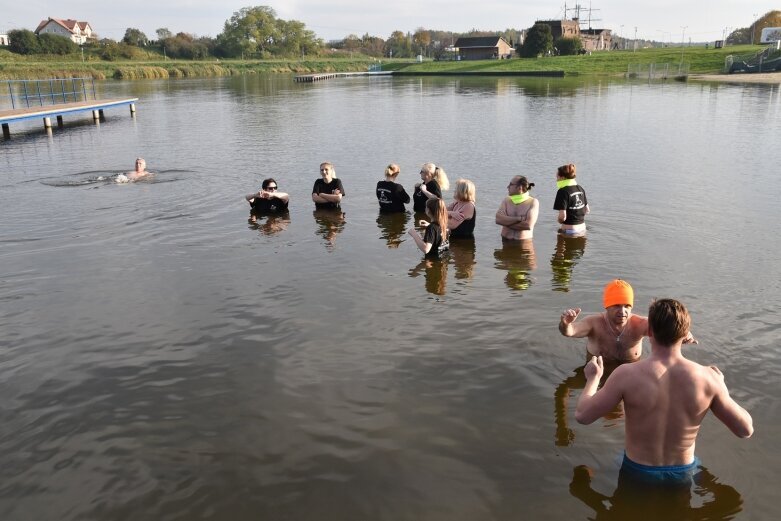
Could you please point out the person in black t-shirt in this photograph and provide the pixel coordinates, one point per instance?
(434, 240)
(390, 194)
(328, 191)
(570, 201)
(268, 199)
(434, 181)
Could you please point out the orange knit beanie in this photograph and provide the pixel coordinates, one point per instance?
(618, 292)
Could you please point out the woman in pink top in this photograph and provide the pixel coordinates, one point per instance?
(461, 213)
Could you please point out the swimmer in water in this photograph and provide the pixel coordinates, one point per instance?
(139, 173)
(616, 334)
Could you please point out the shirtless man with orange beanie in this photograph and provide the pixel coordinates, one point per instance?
(616, 334)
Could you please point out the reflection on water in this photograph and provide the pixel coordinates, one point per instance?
(568, 252)
(435, 272)
(518, 259)
(565, 390)
(269, 224)
(392, 227)
(330, 223)
(632, 500)
(462, 254)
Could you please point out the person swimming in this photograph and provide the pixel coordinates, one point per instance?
(139, 173)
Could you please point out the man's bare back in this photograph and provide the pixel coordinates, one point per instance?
(665, 400)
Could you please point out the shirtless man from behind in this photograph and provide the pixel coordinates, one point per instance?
(616, 334)
(666, 398)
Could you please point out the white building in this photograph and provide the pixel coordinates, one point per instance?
(3, 39)
(79, 32)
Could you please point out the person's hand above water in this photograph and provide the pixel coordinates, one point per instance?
(569, 316)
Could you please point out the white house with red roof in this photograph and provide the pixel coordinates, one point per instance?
(77, 31)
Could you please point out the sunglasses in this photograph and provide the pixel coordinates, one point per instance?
(271, 188)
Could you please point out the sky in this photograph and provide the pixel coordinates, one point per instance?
(660, 20)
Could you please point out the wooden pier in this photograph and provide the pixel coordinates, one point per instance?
(59, 110)
(311, 78)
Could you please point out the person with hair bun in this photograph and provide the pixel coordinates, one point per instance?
(390, 194)
(570, 201)
(434, 180)
(461, 213)
(518, 213)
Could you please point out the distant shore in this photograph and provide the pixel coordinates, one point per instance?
(757, 77)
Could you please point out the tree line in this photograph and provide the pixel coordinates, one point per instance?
(250, 33)
(752, 34)
(257, 33)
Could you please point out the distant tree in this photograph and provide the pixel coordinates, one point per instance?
(23, 41)
(769, 19)
(422, 39)
(372, 45)
(294, 39)
(135, 37)
(56, 44)
(351, 43)
(398, 45)
(251, 30)
(539, 40)
(739, 36)
(568, 46)
(163, 33)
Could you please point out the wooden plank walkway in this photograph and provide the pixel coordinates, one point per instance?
(58, 110)
(311, 78)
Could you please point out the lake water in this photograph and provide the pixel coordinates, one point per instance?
(163, 357)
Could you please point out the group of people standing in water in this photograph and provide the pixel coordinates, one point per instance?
(517, 213)
(665, 396)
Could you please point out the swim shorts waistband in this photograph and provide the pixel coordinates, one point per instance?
(670, 474)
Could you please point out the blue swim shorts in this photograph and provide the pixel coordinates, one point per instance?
(665, 475)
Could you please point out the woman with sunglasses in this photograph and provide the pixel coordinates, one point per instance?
(518, 212)
(268, 199)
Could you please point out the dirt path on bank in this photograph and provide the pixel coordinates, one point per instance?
(760, 77)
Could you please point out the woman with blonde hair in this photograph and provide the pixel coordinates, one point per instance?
(434, 180)
(461, 213)
(570, 201)
(327, 191)
(518, 213)
(434, 239)
(390, 194)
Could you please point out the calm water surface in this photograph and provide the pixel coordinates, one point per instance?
(164, 357)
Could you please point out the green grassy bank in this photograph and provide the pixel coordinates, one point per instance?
(700, 60)
(37, 67)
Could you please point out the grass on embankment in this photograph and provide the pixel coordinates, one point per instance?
(13, 66)
(700, 60)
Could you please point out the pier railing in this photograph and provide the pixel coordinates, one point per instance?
(18, 94)
(657, 71)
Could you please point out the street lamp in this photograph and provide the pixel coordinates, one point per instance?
(683, 34)
(634, 45)
(621, 35)
(754, 21)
